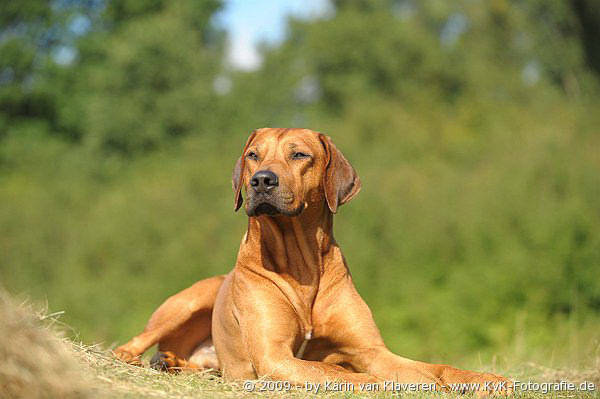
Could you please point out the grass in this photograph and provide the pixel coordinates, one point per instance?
(39, 361)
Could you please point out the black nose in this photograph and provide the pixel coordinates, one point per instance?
(264, 181)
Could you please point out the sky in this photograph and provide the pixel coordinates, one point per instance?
(250, 22)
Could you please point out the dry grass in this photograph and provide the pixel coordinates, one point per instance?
(38, 362)
(35, 362)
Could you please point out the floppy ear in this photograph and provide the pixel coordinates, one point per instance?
(238, 175)
(340, 181)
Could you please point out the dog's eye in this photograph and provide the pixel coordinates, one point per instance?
(252, 155)
(300, 155)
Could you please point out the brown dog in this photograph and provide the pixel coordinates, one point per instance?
(288, 310)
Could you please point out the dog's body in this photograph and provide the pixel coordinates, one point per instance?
(288, 310)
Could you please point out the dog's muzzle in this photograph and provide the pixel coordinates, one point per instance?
(268, 198)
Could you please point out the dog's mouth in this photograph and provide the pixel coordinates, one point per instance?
(266, 208)
(261, 205)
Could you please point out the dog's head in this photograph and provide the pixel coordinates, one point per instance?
(284, 171)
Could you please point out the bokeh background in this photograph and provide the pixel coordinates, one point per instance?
(473, 124)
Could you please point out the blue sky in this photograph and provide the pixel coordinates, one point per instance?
(249, 22)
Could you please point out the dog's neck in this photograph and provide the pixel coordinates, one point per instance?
(294, 254)
(297, 246)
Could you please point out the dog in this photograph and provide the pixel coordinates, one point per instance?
(288, 310)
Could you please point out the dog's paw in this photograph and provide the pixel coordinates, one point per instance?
(127, 357)
(494, 384)
(488, 384)
(481, 384)
(167, 361)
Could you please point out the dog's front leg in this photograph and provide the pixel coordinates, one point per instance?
(389, 366)
(349, 323)
(272, 332)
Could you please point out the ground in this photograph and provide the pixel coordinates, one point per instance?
(40, 361)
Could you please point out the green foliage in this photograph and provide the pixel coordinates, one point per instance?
(473, 126)
(149, 77)
(23, 43)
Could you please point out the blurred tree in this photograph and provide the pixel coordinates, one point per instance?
(148, 75)
(588, 13)
(123, 76)
(27, 35)
(405, 49)
(559, 35)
